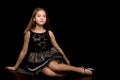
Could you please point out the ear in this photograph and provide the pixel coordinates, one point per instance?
(33, 19)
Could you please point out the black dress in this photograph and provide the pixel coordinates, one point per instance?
(40, 53)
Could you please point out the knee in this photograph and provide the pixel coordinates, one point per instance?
(48, 72)
(54, 66)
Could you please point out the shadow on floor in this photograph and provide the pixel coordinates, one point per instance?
(10, 75)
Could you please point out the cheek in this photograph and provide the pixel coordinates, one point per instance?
(45, 19)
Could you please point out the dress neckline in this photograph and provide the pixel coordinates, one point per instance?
(39, 33)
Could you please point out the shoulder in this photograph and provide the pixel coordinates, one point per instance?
(50, 33)
(27, 34)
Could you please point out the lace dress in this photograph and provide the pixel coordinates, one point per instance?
(40, 53)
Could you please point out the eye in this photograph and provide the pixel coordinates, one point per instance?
(38, 15)
(44, 16)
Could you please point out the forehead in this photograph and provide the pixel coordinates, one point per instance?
(41, 12)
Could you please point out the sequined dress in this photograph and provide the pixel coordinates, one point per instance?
(40, 53)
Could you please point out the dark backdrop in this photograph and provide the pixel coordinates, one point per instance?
(82, 29)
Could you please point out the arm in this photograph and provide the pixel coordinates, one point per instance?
(55, 44)
(22, 53)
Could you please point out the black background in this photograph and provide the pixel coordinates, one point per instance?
(83, 29)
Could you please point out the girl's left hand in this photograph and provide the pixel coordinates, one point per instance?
(67, 61)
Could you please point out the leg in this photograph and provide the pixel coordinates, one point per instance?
(63, 67)
(47, 71)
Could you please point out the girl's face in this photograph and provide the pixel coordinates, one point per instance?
(40, 17)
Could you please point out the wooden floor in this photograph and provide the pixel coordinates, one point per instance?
(7, 75)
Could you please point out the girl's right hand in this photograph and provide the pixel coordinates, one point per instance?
(10, 68)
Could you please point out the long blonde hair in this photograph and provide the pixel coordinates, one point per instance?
(32, 23)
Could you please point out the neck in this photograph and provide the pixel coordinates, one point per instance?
(39, 29)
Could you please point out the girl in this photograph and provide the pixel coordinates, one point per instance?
(43, 52)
